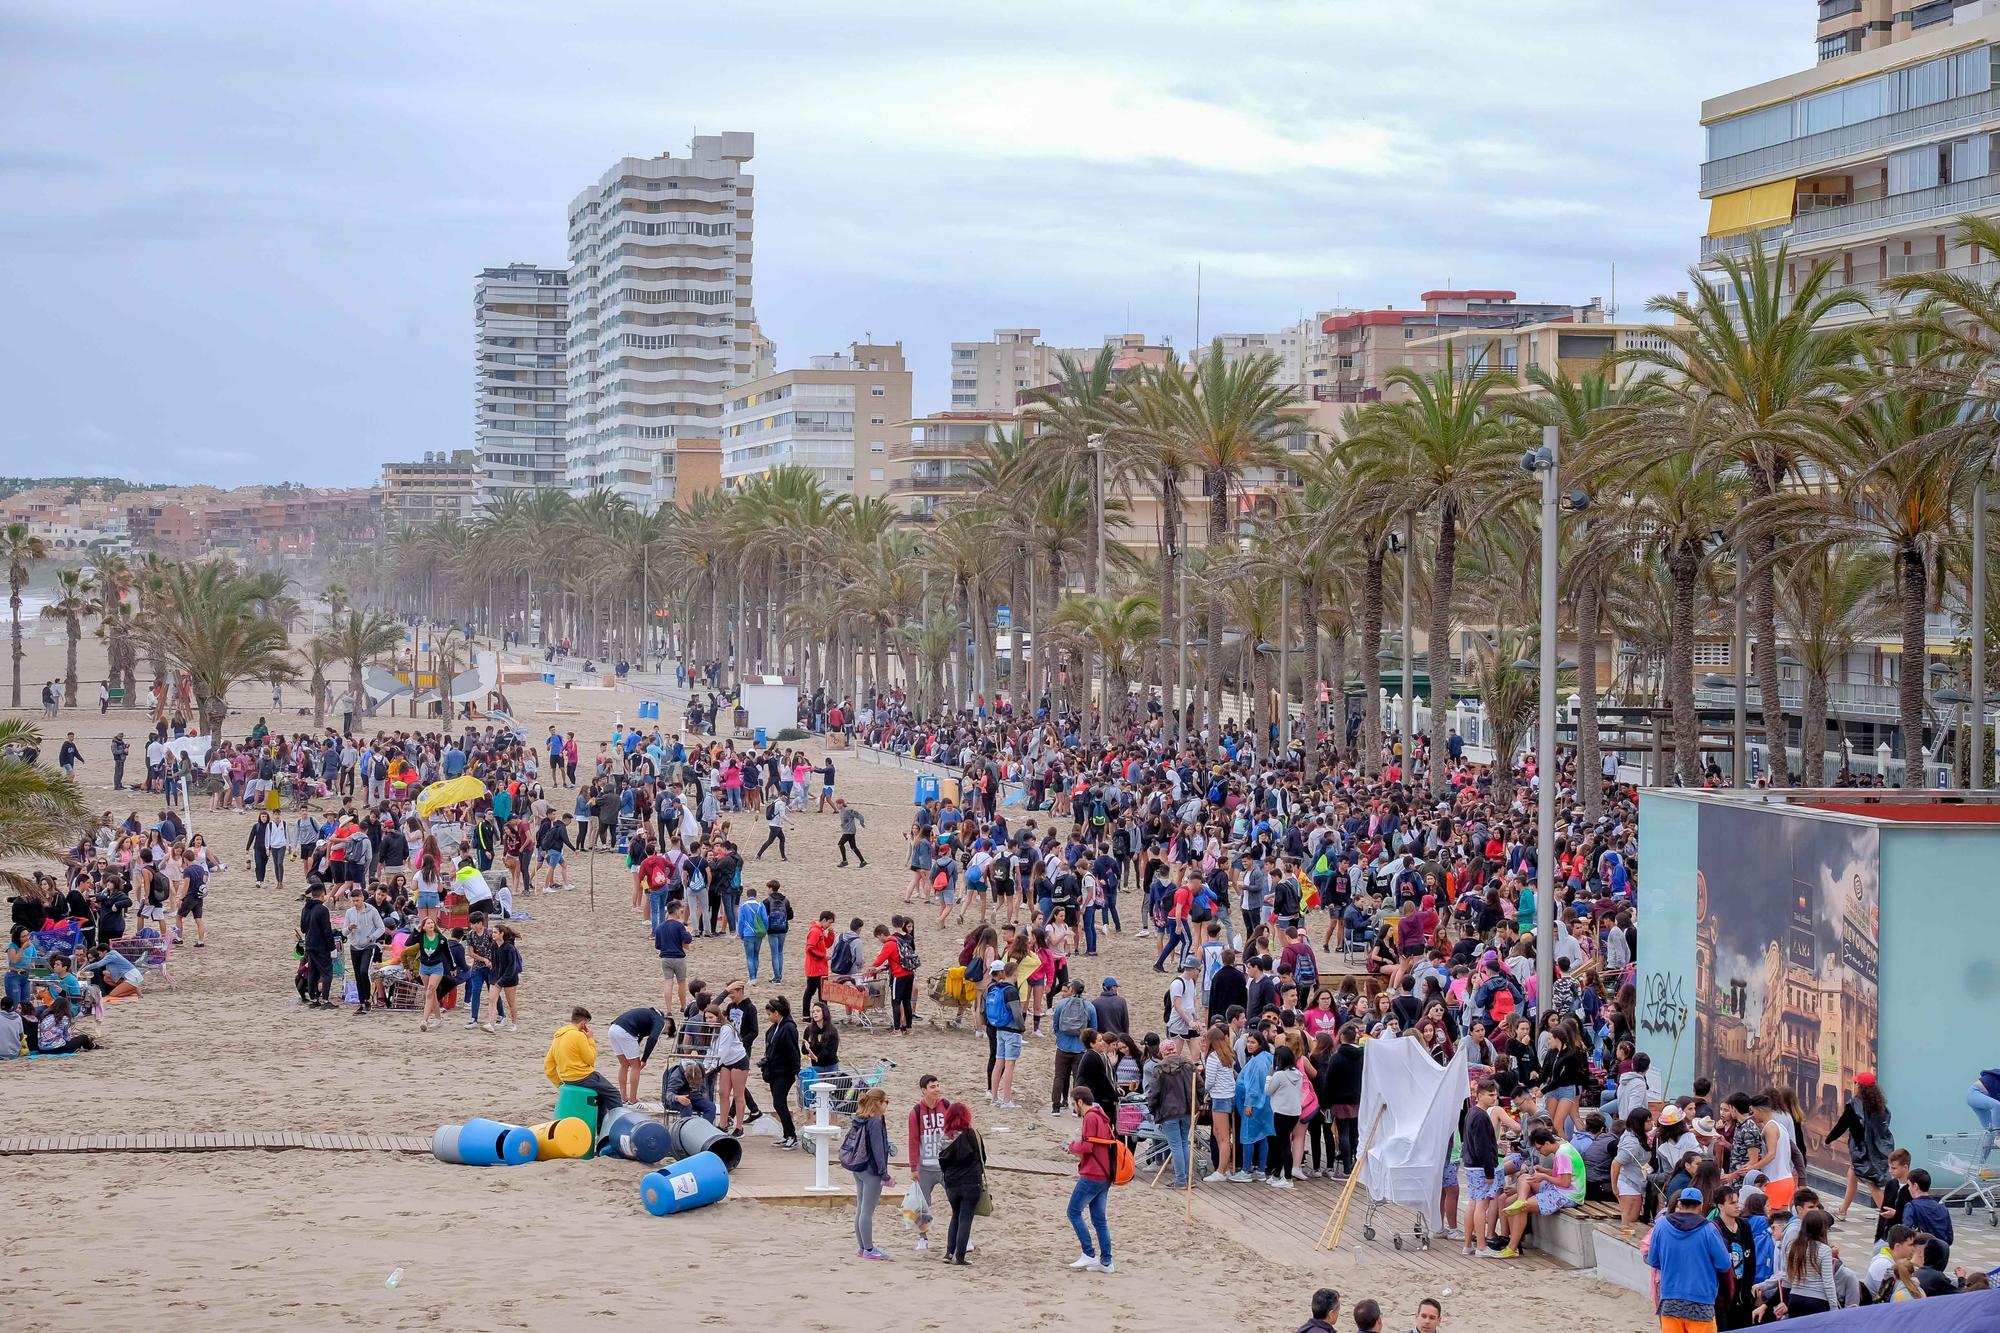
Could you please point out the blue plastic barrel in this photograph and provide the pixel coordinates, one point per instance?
(694, 1182)
(636, 1136)
(484, 1143)
(927, 789)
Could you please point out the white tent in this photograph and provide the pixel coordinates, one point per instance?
(1419, 1106)
(771, 702)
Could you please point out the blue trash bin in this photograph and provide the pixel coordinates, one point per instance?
(758, 737)
(927, 789)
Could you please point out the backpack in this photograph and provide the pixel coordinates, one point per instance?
(854, 1148)
(906, 951)
(1073, 1018)
(1305, 969)
(1122, 1165)
(841, 962)
(1000, 1006)
(358, 847)
(777, 914)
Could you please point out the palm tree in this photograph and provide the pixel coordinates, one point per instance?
(1829, 599)
(116, 625)
(1449, 452)
(1890, 469)
(41, 811)
(210, 625)
(449, 654)
(1756, 355)
(1232, 417)
(1143, 435)
(1122, 631)
(73, 602)
(1513, 701)
(358, 640)
(21, 549)
(318, 655)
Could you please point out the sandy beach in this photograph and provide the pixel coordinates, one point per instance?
(229, 1240)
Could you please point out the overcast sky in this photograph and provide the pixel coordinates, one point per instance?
(239, 240)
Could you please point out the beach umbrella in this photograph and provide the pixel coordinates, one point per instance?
(452, 791)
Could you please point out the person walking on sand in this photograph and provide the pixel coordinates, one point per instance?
(865, 1153)
(1092, 1148)
(777, 818)
(852, 821)
(962, 1163)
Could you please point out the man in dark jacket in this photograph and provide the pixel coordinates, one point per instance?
(1170, 1101)
(316, 928)
(1326, 1309)
(1113, 1014)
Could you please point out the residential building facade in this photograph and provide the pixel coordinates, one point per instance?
(832, 417)
(932, 458)
(520, 378)
(990, 376)
(661, 325)
(439, 486)
(1867, 161)
(1850, 26)
(1361, 347)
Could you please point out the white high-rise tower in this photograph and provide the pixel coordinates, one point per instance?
(660, 318)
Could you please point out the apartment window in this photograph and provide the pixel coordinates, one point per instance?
(878, 421)
(877, 391)
(1840, 44)
(874, 474)
(1939, 11)
(874, 446)
(1712, 654)
(1833, 9)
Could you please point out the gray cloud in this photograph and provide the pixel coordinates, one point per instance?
(269, 218)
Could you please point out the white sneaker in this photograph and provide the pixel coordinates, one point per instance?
(472, 1022)
(1279, 1183)
(1083, 1261)
(1214, 1178)
(923, 1243)
(1103, 1267)
(486, 1027)
(1241, 1177)
(512, 1028)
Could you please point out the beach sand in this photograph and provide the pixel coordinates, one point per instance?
(229, 1240)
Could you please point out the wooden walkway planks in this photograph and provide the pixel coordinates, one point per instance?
(211, 1141)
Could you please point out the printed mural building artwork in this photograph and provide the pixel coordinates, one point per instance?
(1787, 915)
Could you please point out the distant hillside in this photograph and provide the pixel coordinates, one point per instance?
(76, 485)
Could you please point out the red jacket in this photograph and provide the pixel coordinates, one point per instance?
(819, 944)
(892, 956)
(1095, 1158)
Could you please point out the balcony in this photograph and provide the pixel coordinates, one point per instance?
(954, 484)
(1885, 301)
(1345, 393)
(1793, 156)
(1823, 226)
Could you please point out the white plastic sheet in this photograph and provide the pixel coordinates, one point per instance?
(1419, 1105)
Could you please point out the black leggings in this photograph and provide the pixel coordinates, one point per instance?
(361, 959)
(992, 1051)
(1280, 1163)
(776, 835)
(902, 1002)
(1348, 1128)
(781, 1094)
(1319, 1133)
(960, 1235)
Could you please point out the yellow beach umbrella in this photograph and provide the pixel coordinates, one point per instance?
(452, 791)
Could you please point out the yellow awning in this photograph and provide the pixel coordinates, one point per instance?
(1753, 209)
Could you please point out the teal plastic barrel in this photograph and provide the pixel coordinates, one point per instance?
(693, 1182)
(573, 1099)
(636, 1136)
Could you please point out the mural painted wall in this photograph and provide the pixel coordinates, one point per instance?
(1787, 910)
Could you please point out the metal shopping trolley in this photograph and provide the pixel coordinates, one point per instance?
(1970, 1158)
(1418, 1234)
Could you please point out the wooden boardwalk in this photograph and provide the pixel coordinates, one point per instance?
(1286, 1225)
(234, 1141)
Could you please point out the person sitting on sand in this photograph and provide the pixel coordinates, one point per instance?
(116, 977)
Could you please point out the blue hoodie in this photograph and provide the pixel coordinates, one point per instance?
(1767, 1253)
(1690, 1256)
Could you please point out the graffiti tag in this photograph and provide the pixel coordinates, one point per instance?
(1663, 1006)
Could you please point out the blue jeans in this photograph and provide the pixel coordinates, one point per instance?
(777, 943)
(1090, 930)
(475, 987)
(750, 954)
(1173, 941)
(1176, 1130)
(1255, 1154)
(17, 987)
(1982, 1106)
(1110, 911)
(656, 907)
(1090, 1194)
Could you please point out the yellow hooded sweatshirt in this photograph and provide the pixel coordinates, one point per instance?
(572, 1056)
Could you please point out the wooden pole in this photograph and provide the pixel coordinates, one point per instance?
(1193, 1104)
(1329, 1235)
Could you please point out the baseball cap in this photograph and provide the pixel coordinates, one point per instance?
(1191, 965)
(1110, 983)
(1690, 1195)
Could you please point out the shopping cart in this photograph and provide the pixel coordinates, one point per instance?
(848, 1084)
(1970, 1158)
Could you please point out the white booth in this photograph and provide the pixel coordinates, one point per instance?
(770, 704)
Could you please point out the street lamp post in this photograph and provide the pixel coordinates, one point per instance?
(1976, 778)
(1739, 652)
(1104, 659)
(1408, 720)
(1180, 689)
(1284, 666)
(1543, 461)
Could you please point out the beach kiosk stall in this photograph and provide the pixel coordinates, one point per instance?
(1797, 938)
(770, 704)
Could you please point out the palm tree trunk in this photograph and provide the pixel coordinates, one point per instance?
(1171, 556)
(1309, 605)
(1218, 545)
(1437, 653)
(1764, 615)
(1913, 582)
(1683, 568)
(1812, 731)
(73, 626)
(1371, 664)
(1589, 766)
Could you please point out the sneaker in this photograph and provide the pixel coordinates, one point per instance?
(1214, 1178)
(1509, 1253)
(486, 1027)
(1083, 1261)
(1241, 1177)
(923, 1243)
(1519, 1205)
(512, 1028)
(472, 1022)
(1279, 1183)
(1103, 1267)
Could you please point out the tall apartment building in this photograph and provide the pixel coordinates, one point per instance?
(990, 376)
(833, 416)
(520, 378)
(1850, 26)
(1868, 160)
(660, 320)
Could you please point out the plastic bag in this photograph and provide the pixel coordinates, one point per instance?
(915, 1212)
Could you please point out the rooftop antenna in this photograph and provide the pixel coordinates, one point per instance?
(1197, 308)
(1611, 314)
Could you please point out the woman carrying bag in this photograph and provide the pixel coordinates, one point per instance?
(962, 1161)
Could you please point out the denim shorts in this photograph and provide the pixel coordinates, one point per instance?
(430, 970)
(1007, 1045)
(1222, 1105)
(1567, 1093)
(553, 856)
